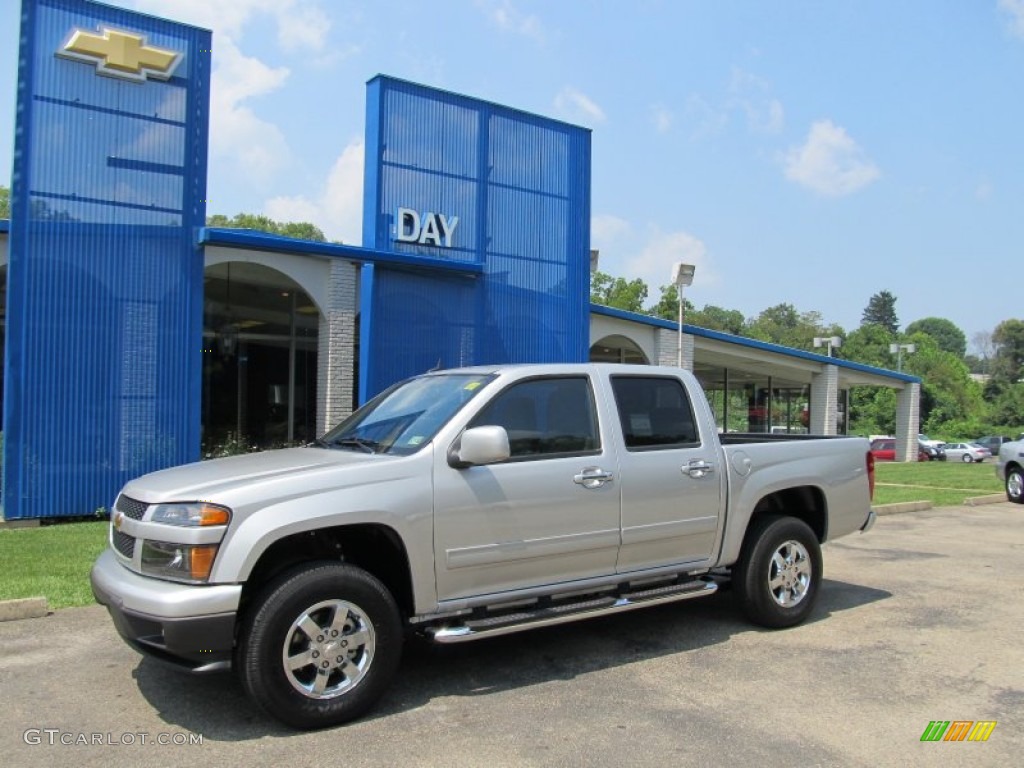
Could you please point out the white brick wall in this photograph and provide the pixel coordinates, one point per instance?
(908, 422)
(666, 349)
(336, 353)
(824, 395)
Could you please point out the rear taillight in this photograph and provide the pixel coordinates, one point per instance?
(871, 475)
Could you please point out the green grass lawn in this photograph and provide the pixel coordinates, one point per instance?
(944, 483)
(52, 561)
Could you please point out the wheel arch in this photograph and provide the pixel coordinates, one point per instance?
(376, 548)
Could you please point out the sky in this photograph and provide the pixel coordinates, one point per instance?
(811, 153)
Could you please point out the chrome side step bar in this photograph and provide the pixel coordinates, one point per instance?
(506, 624)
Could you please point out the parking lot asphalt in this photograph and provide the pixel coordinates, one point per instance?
(919, 620)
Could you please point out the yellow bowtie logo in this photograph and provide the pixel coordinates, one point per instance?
(120, 54)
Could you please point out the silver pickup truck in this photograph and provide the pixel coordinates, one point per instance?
(465, 504)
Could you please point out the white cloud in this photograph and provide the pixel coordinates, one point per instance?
(338, 209)
(578, 106)
(300, 23)
(256, 148)
(704, 118)
(662, 118)
(1014, 9)
(984, 190)
(830, 162)
(751, 95)
(504, 15)
(606, 230)
(654, 262)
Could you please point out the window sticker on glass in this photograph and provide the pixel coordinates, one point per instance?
(640, 423)
(472, 385)
(415, 440)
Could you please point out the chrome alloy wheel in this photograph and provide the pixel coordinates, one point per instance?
(328, 649)
(789, 573)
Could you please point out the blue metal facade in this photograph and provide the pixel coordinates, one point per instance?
(519, 185)
(104, 315)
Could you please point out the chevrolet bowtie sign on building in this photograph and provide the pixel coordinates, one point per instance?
(120, 54)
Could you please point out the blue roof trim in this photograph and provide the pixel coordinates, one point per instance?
(263, 241)
(657, 322)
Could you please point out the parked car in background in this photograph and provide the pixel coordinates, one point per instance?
(935, 450)
(966, 452)
(1010, 469)
(884, 449)
(993, 442)
(927, 441)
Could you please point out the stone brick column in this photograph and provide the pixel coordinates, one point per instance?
(336, 346)
(908, 422)
(666, 348)
(824, 401)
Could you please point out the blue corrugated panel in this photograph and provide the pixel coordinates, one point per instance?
(104, 315)
(520, 187)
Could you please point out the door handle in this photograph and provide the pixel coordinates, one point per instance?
(592, 477)
(698, 468)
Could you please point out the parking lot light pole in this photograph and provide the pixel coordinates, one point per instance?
(832, 342)
(898, 350)
(682, 275)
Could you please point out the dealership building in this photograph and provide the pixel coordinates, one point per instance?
(136, 338)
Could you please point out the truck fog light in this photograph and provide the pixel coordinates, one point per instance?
(181, 562)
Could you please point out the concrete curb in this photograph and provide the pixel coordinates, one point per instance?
(992, 498)
(24, 608)
(902, 507)
(919, 506)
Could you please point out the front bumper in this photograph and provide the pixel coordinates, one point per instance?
(189, 626)
(872, 517)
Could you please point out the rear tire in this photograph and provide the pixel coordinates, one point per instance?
(1015, 485)
(320, 645)
(778, 575)
(967, 459)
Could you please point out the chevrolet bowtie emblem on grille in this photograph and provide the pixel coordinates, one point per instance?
(120, 54)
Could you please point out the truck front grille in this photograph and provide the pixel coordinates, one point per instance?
(130, 507)
(124, 544)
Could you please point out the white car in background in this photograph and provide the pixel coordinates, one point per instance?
(967, 452)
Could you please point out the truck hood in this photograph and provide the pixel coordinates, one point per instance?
(205, 480)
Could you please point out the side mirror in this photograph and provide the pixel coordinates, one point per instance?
(479, 446)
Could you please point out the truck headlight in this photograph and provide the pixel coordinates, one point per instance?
(191, 514)
(181, 562)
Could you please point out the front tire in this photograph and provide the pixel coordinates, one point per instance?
(1015, 485)
(320, 645)
(778, 575)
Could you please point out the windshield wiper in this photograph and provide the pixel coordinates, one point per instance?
(369, 446)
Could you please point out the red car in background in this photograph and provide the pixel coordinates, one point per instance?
(884, 449)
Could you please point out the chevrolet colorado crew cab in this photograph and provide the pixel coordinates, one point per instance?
(1010, 469)
(465, 504)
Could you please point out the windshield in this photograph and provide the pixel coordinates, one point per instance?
(404, 418)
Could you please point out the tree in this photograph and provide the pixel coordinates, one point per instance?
(298, 229)
(881, 310)
(5, 202)
(617, 292)
(1008, 358)
(946, 334)
(782, 324)
(718, 319)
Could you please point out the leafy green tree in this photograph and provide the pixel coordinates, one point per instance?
(881, 310)
(947, 391)
(946, 334)
(298, 229)
(718, 319)
(5, 202)
(617, 292)
(1008, 358)
(783, 324)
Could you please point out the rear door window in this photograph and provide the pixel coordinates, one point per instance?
(655, 412)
